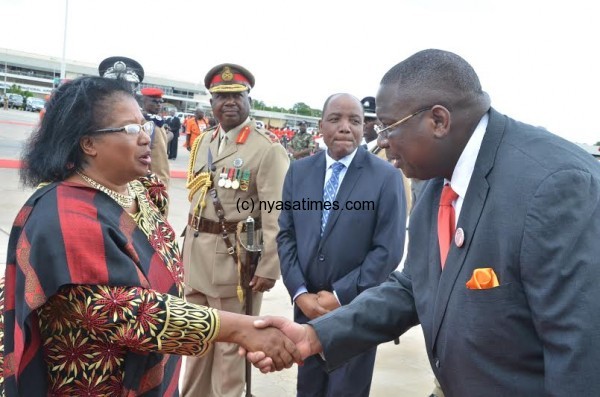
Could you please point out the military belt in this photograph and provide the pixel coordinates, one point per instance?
(204, 225)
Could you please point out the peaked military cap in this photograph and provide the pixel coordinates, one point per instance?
(228, 77)
(121, 68)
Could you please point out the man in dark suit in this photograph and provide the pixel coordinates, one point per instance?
(509, 301)
(174, 125)
(329, 256)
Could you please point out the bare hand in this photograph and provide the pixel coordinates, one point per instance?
(327, 300)
(303, 336)
(310, 305)
(261, 284)
(271, 342)
(240, 329)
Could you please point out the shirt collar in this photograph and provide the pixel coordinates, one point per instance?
(232, 133)
(466, 162)
(344, 160)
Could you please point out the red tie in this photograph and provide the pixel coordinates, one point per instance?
(446, 221)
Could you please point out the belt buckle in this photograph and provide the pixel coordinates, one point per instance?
(196, 222)
(230, 250)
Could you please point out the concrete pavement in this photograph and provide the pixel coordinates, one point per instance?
(400, 371)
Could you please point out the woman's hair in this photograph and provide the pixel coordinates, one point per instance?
(75, 109)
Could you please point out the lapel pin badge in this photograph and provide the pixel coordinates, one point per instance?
(459, 237)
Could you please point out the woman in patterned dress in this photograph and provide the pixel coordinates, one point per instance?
(94, 280)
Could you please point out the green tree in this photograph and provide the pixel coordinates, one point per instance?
(15, 89)
(301, 108)
(259, 105)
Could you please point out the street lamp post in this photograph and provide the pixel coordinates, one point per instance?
(63, 64)
(5, 72)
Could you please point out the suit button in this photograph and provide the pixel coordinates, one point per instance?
(437, 362)
(321, 257)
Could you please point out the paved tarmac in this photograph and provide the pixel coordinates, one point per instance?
(400, 370)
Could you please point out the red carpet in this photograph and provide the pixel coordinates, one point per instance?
(12, 163)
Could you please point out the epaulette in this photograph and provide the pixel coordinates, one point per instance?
(272, 137)
(212, 131)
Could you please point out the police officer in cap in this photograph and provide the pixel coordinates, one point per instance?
(370, 136)
(369, 133)
(122, 68)
(244, 164)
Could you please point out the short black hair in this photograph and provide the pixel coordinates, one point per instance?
(435, 70)
(330, 97)
(76, 108)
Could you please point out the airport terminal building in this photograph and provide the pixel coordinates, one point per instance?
(39, 74)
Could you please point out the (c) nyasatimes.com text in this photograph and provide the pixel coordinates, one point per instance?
(304, 205)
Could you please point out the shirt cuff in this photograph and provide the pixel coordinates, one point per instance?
(336, 297)
(300, 291)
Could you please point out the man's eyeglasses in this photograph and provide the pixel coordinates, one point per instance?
(157, 101)
(385, 132)
(132, 129)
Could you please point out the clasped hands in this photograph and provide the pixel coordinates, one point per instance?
(315, 305)
(303, 337)
(298, 340)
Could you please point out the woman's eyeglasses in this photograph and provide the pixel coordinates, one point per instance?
(385, 132)
(132, 129)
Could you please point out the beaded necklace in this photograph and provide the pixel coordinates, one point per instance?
(124, 200)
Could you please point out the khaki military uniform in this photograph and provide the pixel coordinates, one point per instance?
(211, 276)
(160, 162)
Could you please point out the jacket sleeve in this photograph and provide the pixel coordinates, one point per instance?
(293, 278)
(134, 317)
(560, 269)
(269, 181)
(378, 315)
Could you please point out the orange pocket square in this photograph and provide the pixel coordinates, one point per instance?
(483, 278)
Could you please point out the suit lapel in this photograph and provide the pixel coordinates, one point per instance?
(314, 192)
(350, 179)
(468, 220)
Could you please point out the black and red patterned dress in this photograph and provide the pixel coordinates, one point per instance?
(94, 297)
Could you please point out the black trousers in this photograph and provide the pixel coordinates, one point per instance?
(172, 148)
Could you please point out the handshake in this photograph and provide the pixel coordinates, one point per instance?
(273, 343)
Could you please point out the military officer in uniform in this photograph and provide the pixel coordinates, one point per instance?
(244, 164)
(151, 101)
(302, 143)
(370, 136)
